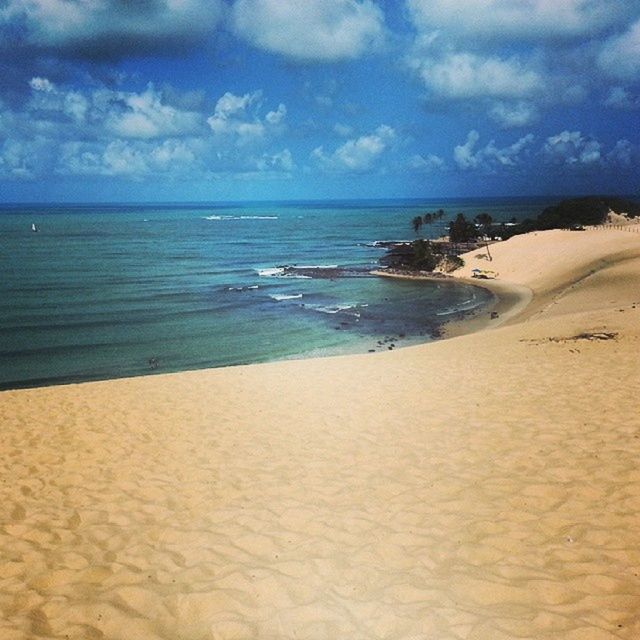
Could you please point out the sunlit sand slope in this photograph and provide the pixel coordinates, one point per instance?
(485, 487)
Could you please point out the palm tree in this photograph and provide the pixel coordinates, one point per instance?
(484, 221)
(427, 218)
(416, 223)
(438, 215)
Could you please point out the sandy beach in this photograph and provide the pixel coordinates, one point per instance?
(484, 487)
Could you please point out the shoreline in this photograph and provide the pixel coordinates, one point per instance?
(512, 302)
(483, 487)
(509, 301)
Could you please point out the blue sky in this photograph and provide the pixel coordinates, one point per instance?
(179, 100)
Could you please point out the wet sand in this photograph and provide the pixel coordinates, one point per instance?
(484, 487)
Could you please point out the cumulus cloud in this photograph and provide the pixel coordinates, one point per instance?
(343, 130)
(110, 27)
(489, 157)
(356, 155)
(41, 84)
(620, 98)
(314, 30)
(281, 162)
(624, 155)
(514, 60)
(25, 159)
(468, 75)
(144, 115)
(511, 115)
(128, 158)
(571, 148)
(620, 55)
(567, 151)
(237, 117)
(277, 116)
(123, 114)
(136, 135)
(533, 19)
(427, 164)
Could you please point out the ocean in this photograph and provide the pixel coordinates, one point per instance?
(107, 291)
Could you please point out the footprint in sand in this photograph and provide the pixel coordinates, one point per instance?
(18, 513)
(74, 521)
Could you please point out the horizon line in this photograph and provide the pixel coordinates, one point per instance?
(80, 203)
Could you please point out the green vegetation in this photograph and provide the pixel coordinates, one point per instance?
(428, 218)
(484, 221)
(423, 258)
(421, 255)
(462, 230)
(574, 213)
(424, 255)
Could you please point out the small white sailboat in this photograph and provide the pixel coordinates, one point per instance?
(34, 228)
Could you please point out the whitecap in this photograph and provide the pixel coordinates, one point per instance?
(273, 272)
(466, 305)
(253, 286)
(214, 217)
(339, 308)
(280, 272)
(256, 218)
(283, 296)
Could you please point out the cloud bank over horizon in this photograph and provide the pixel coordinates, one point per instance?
(322, 98)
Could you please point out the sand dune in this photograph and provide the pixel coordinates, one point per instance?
(480, 488)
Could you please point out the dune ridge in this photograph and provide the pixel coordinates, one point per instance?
(484, 487)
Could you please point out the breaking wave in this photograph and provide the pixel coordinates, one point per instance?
(214, 217)
(283, 296)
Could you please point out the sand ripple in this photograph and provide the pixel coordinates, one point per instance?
(483, 488)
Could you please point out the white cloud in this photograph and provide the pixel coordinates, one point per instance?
(313, 30)
(144, 115)
(356, 155)
(137, 135)
(76, 106)
(571, 148)
(624, 155)
(24, 159)
(343, 130)
(511, 115)
(111, 26)
(277, 162)
(620, 55)
(230, 105)
(133, 159)
(237, 117)
(620, 98)
(464, 154)
(506, 19)
(124, 158)
(41, 84)
(123, 114)
(468, 75)
(277, 116)
(489, 157)
(517, 58)
(426, 164)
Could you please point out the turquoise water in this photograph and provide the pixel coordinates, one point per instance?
(119, 290)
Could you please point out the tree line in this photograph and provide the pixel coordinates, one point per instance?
(460, 229)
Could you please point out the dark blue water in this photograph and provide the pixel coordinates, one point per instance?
(120, 290)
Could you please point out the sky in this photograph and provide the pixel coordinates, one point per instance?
(218, 100)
